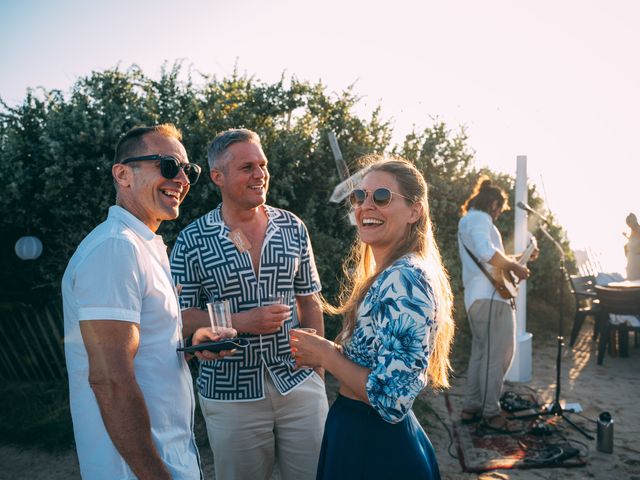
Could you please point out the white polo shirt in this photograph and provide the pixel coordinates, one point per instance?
(120, 271)
(478, 233)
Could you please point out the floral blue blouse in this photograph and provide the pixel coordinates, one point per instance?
(392, 337)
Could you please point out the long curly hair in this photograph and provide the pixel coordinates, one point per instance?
(483, 195)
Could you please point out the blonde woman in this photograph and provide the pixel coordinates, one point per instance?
(397, 332)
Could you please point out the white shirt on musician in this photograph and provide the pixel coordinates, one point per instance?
(479, 234)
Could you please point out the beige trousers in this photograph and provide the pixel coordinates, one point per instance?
(494, 337)
(248, 437)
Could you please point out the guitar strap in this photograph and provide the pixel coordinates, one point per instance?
(482, 268)
(500, 288)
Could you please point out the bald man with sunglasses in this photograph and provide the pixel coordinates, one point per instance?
(131, 392)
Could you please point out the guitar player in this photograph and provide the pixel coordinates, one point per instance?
(489, 308)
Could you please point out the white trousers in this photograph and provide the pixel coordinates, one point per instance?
(494, 338)
(248, 437)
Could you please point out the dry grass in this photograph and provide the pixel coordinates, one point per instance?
(36, 414)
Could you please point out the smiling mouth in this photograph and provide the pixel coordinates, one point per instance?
(371, 222)
(171, 194)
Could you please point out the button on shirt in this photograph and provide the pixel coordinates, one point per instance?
(120, 271)
(209, 267)
(478, 233)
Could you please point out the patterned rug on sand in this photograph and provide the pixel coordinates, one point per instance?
(480, 449)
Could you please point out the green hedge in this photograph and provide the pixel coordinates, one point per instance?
(56, 151)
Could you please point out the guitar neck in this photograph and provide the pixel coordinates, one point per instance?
(527, 253)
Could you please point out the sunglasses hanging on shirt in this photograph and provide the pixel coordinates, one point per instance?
(169, 166)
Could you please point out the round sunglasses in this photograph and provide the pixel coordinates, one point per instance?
(170, 166)
(381, 197)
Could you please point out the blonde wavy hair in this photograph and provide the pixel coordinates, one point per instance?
(361, 270)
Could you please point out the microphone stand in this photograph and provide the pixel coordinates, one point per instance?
(556, 408)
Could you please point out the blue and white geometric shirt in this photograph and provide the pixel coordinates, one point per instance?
(209, 268)
(393, 336)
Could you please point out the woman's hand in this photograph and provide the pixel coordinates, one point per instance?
(205, 334)
(309, 350)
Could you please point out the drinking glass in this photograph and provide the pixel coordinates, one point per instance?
(219, 315)
(311, 331)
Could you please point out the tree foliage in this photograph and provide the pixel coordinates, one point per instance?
(56, 152)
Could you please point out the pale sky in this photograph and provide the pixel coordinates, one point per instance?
(557, 81)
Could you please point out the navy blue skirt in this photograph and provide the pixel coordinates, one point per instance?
(359, 444)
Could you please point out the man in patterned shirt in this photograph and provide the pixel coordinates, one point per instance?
(258, 408)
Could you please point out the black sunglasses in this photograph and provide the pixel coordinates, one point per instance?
(170, 166)
(381, 197)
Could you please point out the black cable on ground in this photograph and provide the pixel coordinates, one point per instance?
(583, 448)
(446, 427)
(583, 416)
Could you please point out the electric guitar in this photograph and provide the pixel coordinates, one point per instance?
(505, 281)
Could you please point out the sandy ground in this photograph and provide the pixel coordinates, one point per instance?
(614, 387)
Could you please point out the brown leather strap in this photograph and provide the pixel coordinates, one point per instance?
(484, 270)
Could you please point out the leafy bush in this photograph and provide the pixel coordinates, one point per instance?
(56, 152)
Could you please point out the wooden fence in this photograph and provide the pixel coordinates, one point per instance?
(31, 342)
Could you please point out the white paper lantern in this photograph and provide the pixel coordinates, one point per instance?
(28, 248)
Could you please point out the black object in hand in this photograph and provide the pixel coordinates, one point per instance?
(217, 346)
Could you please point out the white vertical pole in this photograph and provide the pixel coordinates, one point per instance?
(520, 370)
(520, 239)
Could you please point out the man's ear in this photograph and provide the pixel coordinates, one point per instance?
(217, 177)
(122, 175)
